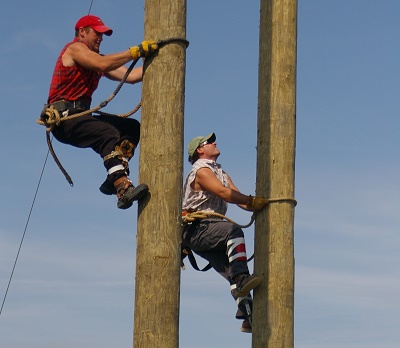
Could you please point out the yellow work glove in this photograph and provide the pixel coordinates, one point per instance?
(144, 50)
(256, 203)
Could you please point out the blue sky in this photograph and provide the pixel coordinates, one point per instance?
(74, 281)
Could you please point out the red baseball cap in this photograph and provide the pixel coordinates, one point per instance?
(95, 23)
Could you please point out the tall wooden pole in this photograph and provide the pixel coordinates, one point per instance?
(157, 293)
(273, 320)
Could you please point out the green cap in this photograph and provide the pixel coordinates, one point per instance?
(195, 142)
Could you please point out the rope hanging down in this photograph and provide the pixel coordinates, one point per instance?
(53, 117)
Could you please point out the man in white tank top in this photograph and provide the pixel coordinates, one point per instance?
(209, 188)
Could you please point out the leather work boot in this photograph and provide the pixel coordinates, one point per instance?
(127, 193)
(245, 283)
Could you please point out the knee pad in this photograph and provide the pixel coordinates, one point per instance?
(127, 148)
(124, 152)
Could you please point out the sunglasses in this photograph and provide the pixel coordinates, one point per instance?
(204, 143)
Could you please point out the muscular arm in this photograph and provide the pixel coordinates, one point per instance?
(207, 181)
(117, 74)
(112, 65)
(79, 53)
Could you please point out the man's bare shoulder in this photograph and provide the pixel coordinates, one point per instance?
(204, 171)
(77, 47)
(75, 53)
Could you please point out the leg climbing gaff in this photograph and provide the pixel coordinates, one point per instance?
(244, 309)
(117, 165)
(117, 181)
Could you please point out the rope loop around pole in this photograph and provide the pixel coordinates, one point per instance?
(162, 43)
(287, 199)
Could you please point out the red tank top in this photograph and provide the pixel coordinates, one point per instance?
(72, 83)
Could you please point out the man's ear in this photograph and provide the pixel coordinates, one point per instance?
(82, 32)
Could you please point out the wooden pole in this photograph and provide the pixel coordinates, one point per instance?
(273, 318)
(157, 293)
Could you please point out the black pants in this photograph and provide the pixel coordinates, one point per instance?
(101, 133)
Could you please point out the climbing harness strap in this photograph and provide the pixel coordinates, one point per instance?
(187, 252)
(113, 154)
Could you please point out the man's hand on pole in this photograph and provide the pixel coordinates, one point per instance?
(144, 50)
(256, 203)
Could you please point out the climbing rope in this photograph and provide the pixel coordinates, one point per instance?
(188, 218)
(53, 118)
(204, 214)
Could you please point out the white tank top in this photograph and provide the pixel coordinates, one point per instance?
(204, 200)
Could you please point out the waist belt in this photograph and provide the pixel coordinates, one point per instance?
(72, 106)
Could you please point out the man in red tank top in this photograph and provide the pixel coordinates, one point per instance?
(77, 72)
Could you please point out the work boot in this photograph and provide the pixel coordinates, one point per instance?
(127, 193)
(245, 283)
(246, 326)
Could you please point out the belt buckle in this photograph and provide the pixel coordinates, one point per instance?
(60, 105)
(80, 105)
